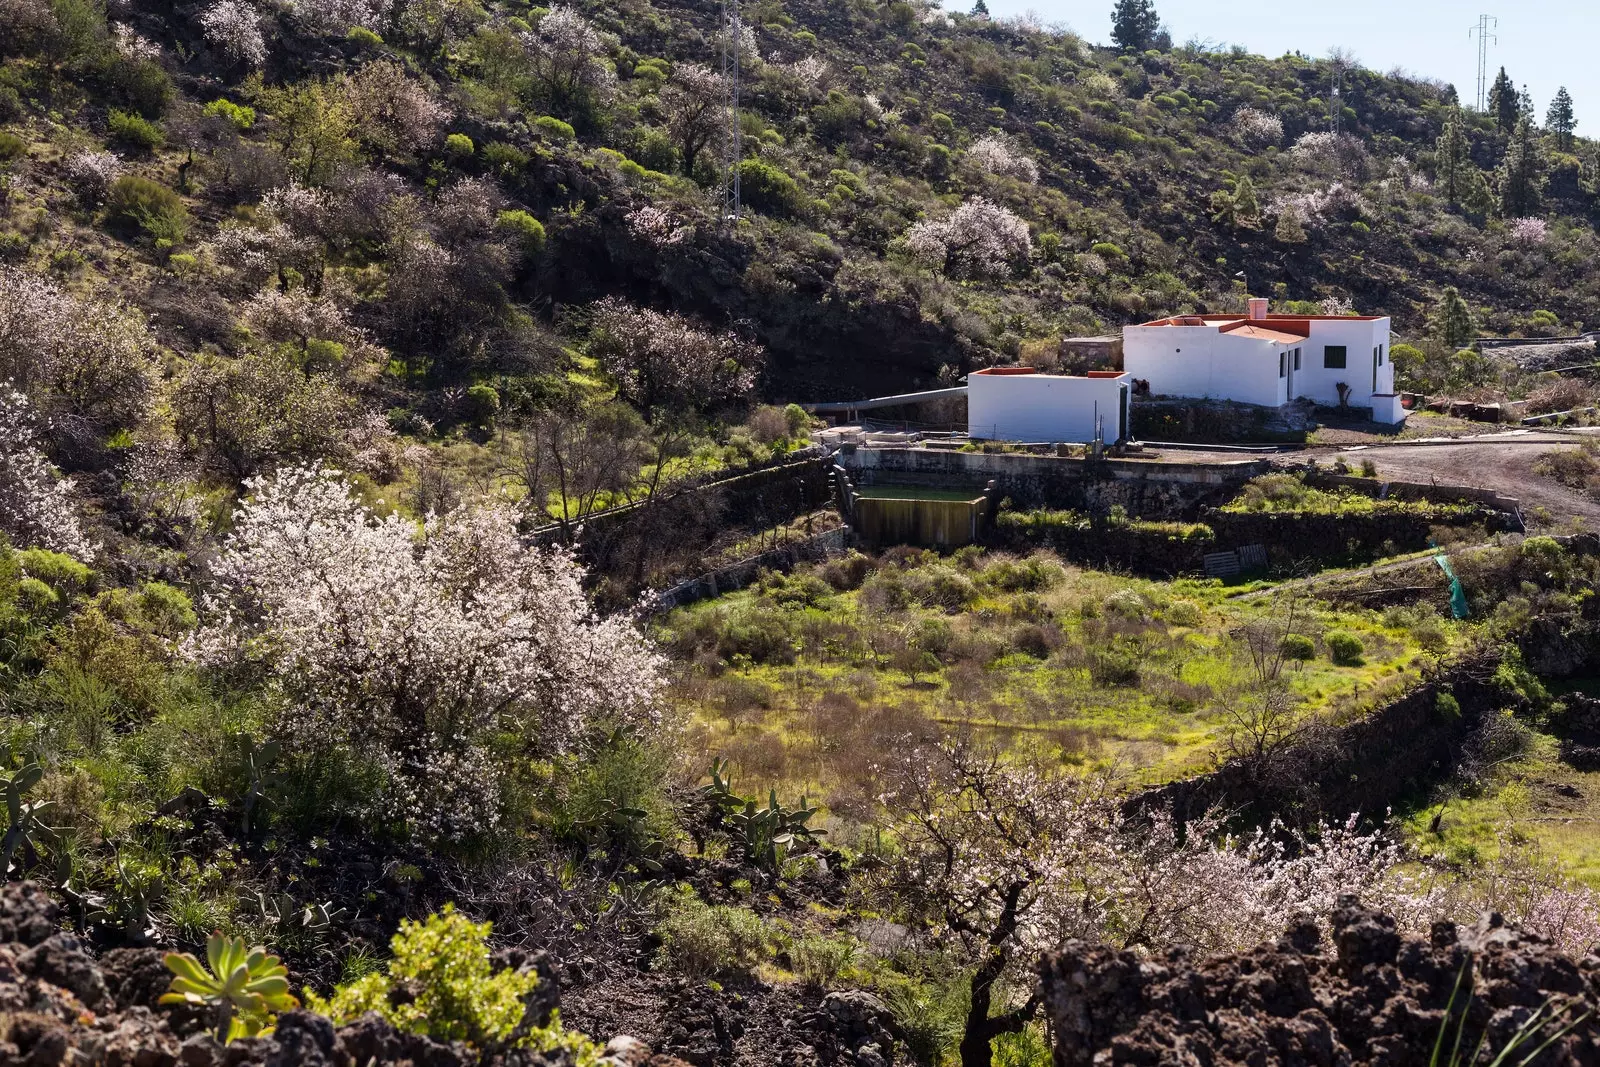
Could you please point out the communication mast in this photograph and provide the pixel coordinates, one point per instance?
(733, 144)
(1485, 24)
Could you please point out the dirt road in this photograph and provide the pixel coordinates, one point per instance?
(1502, 462)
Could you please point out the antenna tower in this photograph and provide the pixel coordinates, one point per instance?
(1481, 31)
(733, 144)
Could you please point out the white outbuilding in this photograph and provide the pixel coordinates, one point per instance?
(1021, 404)
(1267, 359)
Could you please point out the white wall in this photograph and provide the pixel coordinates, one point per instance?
(1042, 407)
(1359, 337)
(1200, 361)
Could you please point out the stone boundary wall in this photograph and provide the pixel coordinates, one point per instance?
(738, 575)
(1439, 494)
(1147, 488)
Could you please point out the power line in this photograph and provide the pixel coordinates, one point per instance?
(1481, 32)
(733, 144)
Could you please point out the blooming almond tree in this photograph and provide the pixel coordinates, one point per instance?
(82, 360)
(410, 652)
(997, 155)
(567, 56)
(36, 507)
(661, 360)
(695, 103)
(980, 239)
(234, 29)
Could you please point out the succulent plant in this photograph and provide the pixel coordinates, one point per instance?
(25, 829)
(246, 987)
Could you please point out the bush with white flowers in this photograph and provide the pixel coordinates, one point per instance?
(417, 651)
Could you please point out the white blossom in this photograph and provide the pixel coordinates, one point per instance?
(997, 155)
(133, 45)
(332, 18)
(234, 27)
(411, 649)
(810, 71)
(89, 359)
(91, 173)
(1325, 150)
(656, 226)
(1256, 129)
(567, 52)
(980, 239)
(1527, 232)
(36, 507)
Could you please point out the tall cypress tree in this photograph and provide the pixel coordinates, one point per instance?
(1560, 119)
(1452, 320)
(1519, 174)
(1134, 24)
(1451, 160)
(1503, 102)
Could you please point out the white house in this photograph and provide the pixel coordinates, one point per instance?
(1020, 404)
(1268, 359)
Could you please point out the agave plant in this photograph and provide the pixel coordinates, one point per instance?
(245, 987)
(26, 831)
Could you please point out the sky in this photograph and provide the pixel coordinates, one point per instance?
(1542, 43)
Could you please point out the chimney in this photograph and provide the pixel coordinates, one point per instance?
(1258, 307)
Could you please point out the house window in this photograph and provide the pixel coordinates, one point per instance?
(1333, 357)
(1297, 359)
(1283, 364)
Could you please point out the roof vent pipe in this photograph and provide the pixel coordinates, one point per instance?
(1258, 307)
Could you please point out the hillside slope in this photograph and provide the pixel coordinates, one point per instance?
(859, 121)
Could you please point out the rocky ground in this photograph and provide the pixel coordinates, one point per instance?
(60, 1003)
(1372, 995)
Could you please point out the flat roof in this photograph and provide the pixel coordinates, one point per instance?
(1273, 317)
(1008, 372)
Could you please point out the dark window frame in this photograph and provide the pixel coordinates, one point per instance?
(1328, 357)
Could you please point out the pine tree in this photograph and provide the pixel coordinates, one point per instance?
(1520, 174)
(1478, 199)
(1525, 106)
(980, 10)
(1452, 160)
(1452, 320)
(1134, 24)
(1290, 230)
(1503, 102)
(1245, 206)
(1560, 120)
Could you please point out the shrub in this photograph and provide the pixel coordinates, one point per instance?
(1184, 613)
(554, 128)
(459, 147)
(702, 941)
(365, 38)
(1447, 706)
(11, 147)
(135, 131)
(504, 159)
(480, 405)
(528, 230)
(151, 206)
(1345, 649)
(238, 115)
(1111, 667)
(819, 961)
(768, 189)
(1298, 647)
(452, 991)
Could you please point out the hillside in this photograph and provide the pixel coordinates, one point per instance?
(858, 121)
(424, 596)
